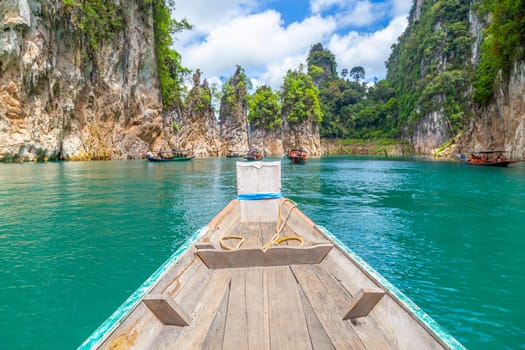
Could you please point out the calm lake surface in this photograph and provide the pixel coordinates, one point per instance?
(76, 239)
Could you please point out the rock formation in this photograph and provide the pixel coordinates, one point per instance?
(196, 129)
(61, 100)
(268, 141)
(500, 125)
(304, 134)
(232, 117)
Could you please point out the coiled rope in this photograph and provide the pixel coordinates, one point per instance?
(276, 238)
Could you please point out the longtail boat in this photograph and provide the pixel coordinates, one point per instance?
(487, 158)
(253, 154)
(296, 155)
(232, 154)
(173, 156)
(262, 275)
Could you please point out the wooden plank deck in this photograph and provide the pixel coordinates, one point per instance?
(270, 298)
(283, 307)
(265, 307)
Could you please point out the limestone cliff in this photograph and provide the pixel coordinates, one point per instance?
(269, 141)
(61, 99)
(435, 69)
(304, 134)
(196, 129)
(233, 124)
(429, 68)
(501, 124)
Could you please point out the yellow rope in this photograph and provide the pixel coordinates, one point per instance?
(226, 246)
(276, 238)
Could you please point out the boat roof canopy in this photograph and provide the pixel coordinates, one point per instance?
(491, 152)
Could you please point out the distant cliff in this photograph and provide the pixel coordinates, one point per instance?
(195, 127)
(271, 128)
(437, 69)
(70, 93)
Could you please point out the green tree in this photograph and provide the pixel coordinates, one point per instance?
(300, 100)
(171, 72)
(503, 44)
(264, 109)
(97, 21)
(357, 73)
(234, 92)
(321, 64)
(429, 66)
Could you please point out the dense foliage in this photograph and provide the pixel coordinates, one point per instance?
(170, 71)
(234, 92)
(428, 68)
(300, 101)
(351, 109)
(264, 109)
(504, 44)
(97, 20)
(321, 64)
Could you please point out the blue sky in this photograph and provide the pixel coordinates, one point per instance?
(268, 37)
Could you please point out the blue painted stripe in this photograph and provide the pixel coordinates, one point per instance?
(120, 314)
(446, 337)
(257, 196)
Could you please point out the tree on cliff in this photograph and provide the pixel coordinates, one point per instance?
(429, 66)
(321, 64)
(357, 73)
(170, 70)
(300, 101)
(503, 44)
(264, 109)
(234, 100)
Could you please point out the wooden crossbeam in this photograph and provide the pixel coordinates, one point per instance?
(363, 302)
(166, 310)
(274, 256)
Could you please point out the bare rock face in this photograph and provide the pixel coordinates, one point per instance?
(232, 117)
(304, 135)
(500, 125)
(196, 128)
(268, 141)
(59, 100)
(430, 133)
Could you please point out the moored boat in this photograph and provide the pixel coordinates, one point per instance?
(232, 154)
(173, 156)
(253, 154)
(296, 155)
(262, 275)
(487, 158)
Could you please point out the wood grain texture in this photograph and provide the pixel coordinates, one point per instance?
(274, 256)
(166, 309)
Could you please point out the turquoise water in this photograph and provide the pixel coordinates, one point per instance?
(76, 239)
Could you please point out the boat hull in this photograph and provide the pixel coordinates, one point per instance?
(275, 294)
(174, 159)
(480, 162)
(297, 160)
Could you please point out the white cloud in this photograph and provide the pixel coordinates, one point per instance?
(367, 50)
(275, 72)
(231, 32)
(318, 6)
(364, 13)
(204, 15)
(401, 7)
(257, 42)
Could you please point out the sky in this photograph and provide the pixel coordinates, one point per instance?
(269, 37)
